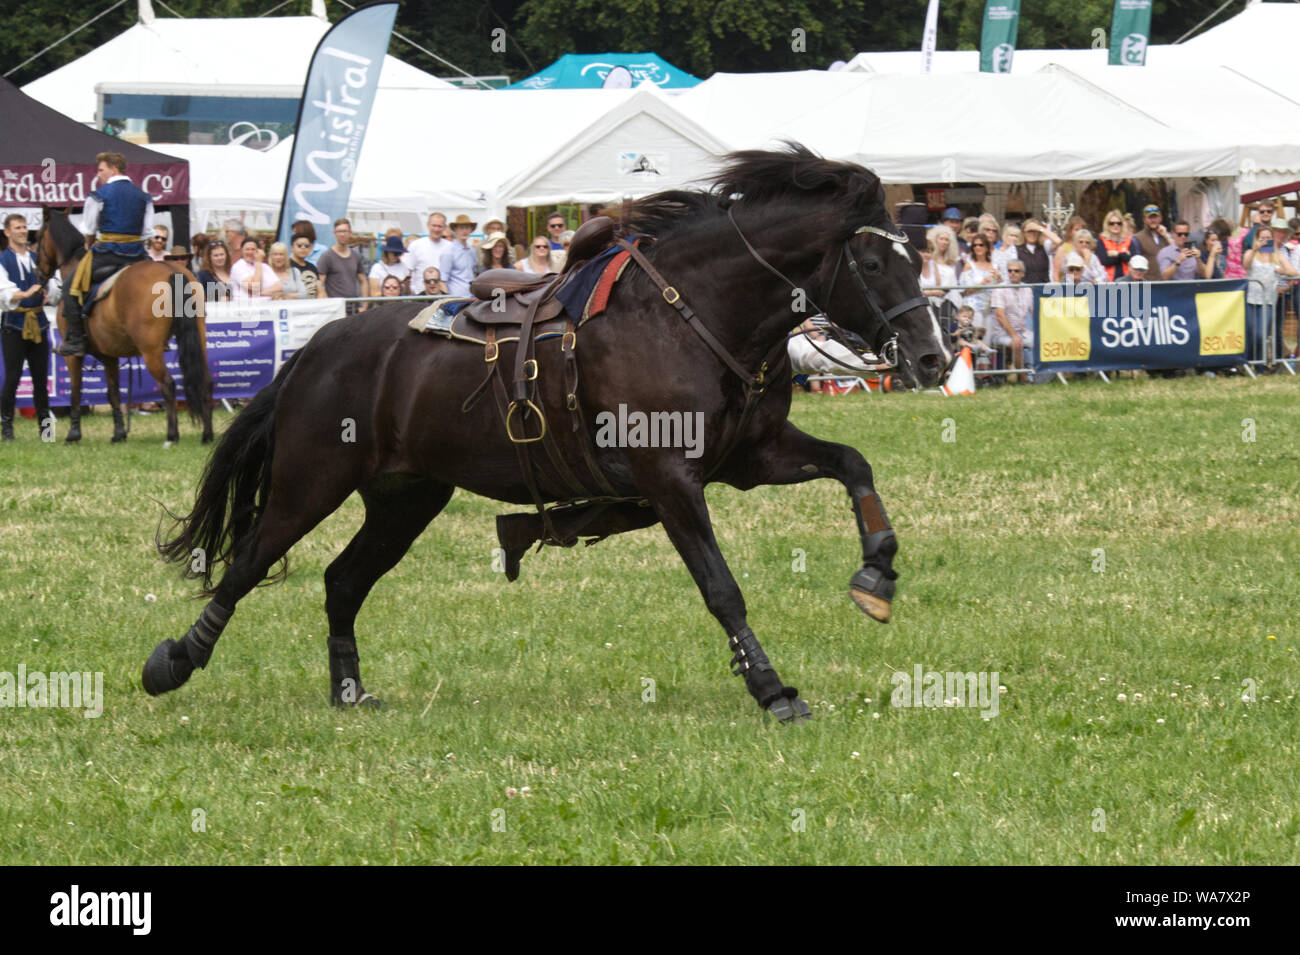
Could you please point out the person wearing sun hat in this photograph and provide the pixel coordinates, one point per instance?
(494, 253)
(457, 265)
(393, 262)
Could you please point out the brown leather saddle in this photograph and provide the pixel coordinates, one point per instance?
(507, 300)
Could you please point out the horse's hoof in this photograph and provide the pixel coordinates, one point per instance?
(168, 443)
(206, 439)
(118, 438)
(872, 592)
(871, 605)
(167, 668)
(790, 709)
(73, 437)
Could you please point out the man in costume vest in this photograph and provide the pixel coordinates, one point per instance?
(23, 325)
(117, 214)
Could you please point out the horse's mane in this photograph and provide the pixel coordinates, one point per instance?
(762, 177)
(67, 238)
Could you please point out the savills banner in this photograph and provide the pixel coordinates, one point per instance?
(1142, 325)
(333, 117)
(998, 39)
(1130, 27)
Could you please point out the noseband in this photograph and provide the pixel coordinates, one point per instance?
(880, 334)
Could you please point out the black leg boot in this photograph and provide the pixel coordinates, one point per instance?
(6, 420)
(75, 344)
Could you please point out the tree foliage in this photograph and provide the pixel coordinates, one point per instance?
(700, 36)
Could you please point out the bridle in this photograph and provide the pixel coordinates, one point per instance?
(880, 333)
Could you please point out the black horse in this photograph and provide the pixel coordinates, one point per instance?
(777, 230)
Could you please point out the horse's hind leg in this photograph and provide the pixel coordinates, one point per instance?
(291, 511)
(153, 360)
(112, 374)
(398, 509)
(518, 532)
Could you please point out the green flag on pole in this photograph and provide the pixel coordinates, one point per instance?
(998, 39)
(1130, 27)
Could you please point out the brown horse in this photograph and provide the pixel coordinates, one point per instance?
(149, 303)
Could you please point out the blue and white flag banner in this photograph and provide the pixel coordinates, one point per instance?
(333, 117)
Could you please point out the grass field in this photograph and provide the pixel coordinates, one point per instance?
(493, 687)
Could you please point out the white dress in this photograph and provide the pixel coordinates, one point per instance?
(972, 276)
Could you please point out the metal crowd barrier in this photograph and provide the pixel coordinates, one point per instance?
(1263, 350)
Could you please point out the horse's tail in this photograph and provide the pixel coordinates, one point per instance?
(232, 492)
(187, 309)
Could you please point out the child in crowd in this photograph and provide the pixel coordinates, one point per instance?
(965, 333)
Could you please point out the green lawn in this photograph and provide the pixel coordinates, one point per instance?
(493, 687)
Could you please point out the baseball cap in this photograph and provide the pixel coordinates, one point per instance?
(952, 212)
(1138, 262)
(1150, 209)
(1074, 260)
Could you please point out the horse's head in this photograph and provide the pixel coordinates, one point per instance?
(60, 241)
(873, 291)
(860, 270)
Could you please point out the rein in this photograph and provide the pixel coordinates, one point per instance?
(884, 341)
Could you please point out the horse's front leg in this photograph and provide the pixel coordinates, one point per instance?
(74, 363)
(112, 369)
(793, 457)
(678, 499)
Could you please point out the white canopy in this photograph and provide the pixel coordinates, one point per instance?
(265, 51)
(928, 128)
(557, 146)
(1263, 124)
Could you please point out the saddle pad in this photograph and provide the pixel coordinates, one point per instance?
(443, 318)
(436, 318)
(582, 296)
(101, 289)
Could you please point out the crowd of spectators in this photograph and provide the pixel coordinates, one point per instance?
(967, 258)
(239, 267)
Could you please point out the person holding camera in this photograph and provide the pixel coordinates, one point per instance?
(1265, 264)
(1180, 261)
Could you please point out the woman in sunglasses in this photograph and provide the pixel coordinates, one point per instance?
(979, 272)
(1116, 249)
(539, 256)
(1266, 265)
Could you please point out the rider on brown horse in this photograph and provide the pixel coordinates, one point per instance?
(122, 212)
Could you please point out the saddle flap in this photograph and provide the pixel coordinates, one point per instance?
(512, 309)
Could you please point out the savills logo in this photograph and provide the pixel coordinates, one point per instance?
(1065, 350)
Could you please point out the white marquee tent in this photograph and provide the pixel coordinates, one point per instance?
(260, 51)
(534, 148)
(926, 128)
